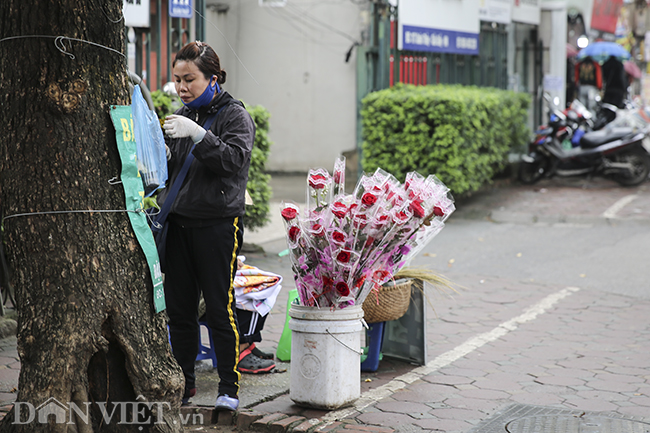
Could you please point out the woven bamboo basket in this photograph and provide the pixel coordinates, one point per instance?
(394, 300)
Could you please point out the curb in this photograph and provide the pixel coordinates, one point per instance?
(250, 420)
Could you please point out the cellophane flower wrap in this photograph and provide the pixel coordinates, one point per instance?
(344, 246)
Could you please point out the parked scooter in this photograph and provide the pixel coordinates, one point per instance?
(563, 149)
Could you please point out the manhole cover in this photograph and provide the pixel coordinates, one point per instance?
(523, 418)
(575, 424)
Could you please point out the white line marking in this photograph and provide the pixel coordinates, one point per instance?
(613, 209)
(370, 397)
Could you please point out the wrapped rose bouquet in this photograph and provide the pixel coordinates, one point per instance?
(343, 246)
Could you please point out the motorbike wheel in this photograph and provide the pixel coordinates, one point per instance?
(533, 167)
(640, 162)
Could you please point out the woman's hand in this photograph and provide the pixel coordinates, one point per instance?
(180, 126)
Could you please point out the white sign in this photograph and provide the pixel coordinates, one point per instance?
(497, 11)
(136, 13)
(458, 16)
(526, 11)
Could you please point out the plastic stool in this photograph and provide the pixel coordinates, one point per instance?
(206, 352)
(375, 335)
(284, 345)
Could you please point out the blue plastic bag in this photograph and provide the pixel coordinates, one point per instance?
(150, 144)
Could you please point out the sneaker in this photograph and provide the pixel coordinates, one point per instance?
(225, 402)
(251, 364)
(257, 352)
(189, 393)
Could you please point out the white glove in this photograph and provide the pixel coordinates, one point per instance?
(180, 126)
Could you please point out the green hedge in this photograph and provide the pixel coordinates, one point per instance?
(258, 186)
(462, 134)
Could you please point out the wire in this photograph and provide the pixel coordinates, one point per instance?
(56, 212)
(319, 22)
(229, 46)
(58, 43)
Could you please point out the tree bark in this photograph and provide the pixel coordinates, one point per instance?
(87, 329)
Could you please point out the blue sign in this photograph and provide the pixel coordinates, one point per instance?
(440, 41)
(181, 8)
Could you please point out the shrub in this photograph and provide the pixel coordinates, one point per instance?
(257, 214)
(462, 134)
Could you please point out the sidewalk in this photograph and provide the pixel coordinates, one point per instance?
(500, 352)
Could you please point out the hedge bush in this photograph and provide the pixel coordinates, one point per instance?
(257, 215)
(462, 134)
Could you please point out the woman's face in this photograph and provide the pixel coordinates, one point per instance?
(190, 81)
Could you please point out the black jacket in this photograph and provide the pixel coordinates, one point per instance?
(215, 184)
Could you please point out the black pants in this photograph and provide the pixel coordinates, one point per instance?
(251, 324)
(204, 259)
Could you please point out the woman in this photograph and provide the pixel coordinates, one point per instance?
(205, 228)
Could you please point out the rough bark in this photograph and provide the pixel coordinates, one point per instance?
(88, 331)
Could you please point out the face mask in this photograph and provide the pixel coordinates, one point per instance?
(206, 96)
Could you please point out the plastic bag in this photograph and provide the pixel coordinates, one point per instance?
(150, 144)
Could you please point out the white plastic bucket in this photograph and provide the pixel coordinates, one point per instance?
(325, 356)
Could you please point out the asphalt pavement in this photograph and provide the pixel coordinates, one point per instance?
(502, 353)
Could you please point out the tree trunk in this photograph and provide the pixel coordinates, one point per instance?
(88, 335)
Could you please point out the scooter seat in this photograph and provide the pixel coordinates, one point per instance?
(596, 138)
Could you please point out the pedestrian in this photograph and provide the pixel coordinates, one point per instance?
(615, 82)
(205, 221)
(589, 79)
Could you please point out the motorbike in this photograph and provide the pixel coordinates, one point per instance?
(565, 147)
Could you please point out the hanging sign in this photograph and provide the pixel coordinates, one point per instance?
(439, 25)
(605, 14)
(181, 8)
(136, 13)
(134, 195)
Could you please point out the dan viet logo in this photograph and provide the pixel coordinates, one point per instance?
(139, 412)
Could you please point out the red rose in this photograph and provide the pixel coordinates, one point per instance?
(327, 281)
(417, 209)
(317, 181)
(338, 175)
(293, 233)
(342, 288)
(343, 256)
(339, 237)
(289, 213)
(369, 242)
(318, 230)
(353, 207)
(368, 199)
(438, 211)
(400, 217)
(339, 210)
(360, 221)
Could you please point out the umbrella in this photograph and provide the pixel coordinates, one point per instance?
(600, 51)
(632, 69)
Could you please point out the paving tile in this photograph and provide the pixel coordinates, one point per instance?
(486, 394)
(612, 385)
(444, 425)
(402, 407)
(385, 418)
(480, 404)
